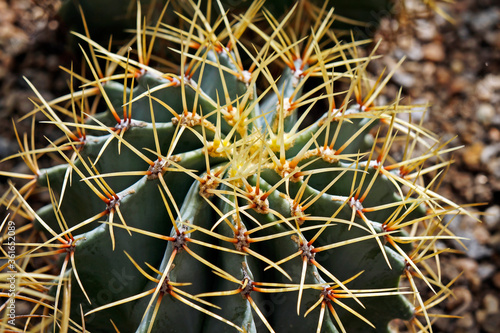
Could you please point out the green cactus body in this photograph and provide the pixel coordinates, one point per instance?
(213, 208)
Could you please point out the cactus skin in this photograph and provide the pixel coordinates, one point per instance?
(234, 217)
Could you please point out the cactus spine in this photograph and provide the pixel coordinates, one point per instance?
(210, 204)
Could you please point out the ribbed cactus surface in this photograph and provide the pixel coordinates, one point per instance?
(255, 186)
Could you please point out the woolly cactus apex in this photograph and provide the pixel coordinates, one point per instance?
(218, 202)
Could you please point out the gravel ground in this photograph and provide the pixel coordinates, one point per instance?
(453, 67)
(456, 69)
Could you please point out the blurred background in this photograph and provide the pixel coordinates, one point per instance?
(454, 67)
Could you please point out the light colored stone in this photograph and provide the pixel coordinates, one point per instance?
(492, 217)
(434, 52)
(485, 113)
(491, 303)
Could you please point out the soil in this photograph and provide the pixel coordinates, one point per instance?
(452, 67)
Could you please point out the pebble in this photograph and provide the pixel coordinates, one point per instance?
(492, 218)
(491, 322)
(491, 303)
(494, 167)
(472, 155)
(481, 179)
(461, 301)
(466, 322)
(495, 243)
(493, 38)
(494, 133)
(434, 52)
(469, 267)
(459, 85)
(404, 79)
(457, 66)
(23, 307)
(412, 52)
(464, 227)
(418, 112)
(6, 16)
(490, 157)
(485, 113)
(489, 152)
(486, 89)
(425, 30)
(496, 280)
(481, 233)
(486, 270)
(443, 75)
(428, 70)
(481, 315)
(484, 20)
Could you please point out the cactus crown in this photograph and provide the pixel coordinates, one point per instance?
(208, 196)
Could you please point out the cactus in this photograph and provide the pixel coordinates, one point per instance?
(219, 200)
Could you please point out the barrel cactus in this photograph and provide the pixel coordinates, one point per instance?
(255, 186)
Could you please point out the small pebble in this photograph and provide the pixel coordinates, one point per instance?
(404, 79)
(487, 88)
(486, 270)
(457, 66)
(425, 30)
(485, 113)
(490, 152)
(472, 155)
(493, 38)
(485, 20)
(481, 234)
(491, 303)
(434, 52)
(496, 280)
(491, 323)
(494, 167)
(467, 321)
(460, 302)
(492, 218)
(494, 133)
(494, 242)
(443, 75)
(459, 85)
